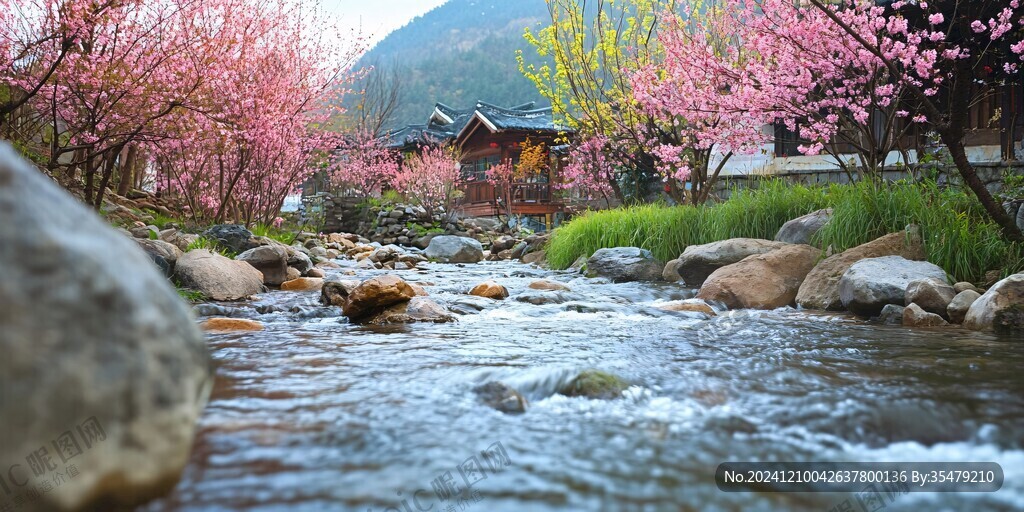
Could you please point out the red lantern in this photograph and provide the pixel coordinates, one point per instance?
(494, 144)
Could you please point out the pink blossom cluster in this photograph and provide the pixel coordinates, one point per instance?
(227, 98)
(733, 68)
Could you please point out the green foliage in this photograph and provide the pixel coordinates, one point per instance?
(459, 53)
(666, 231)
(210, 245)
(1013, 185)
(161, 221)
(390, 196)
(285, 236)
(191, 296)
(958, 235)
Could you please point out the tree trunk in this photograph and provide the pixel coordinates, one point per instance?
(126, 170)
(971, 179)
(108, 171)
(90, 172)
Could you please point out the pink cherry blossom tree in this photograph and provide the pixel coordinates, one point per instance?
(365, 165)
(431, 179)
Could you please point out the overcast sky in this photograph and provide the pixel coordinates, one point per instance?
(376, 18)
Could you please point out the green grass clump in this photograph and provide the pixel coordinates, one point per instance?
(284, 236)
(958, 235)
(666, 231)
(210, 245)
(161, 221)
(191, 296)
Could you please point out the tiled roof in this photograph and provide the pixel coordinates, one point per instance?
(447, 123)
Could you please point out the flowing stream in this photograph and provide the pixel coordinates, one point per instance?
(316, 414)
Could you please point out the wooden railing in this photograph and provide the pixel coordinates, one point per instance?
(483, 192)
(531, 193)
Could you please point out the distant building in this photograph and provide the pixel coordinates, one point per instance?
(485, 136)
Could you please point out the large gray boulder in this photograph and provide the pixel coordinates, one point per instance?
(625, 264)
(1000, 309)
(454, 249)
(761, 281)
(872, 283)
(99, 353)
(698, 261)
(217, 277)
(801, 229)
(271, 260)
(820, 289)
(233, 237)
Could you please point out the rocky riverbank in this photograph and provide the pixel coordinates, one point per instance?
(885, 280)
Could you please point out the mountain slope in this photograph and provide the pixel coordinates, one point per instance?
(458, 53)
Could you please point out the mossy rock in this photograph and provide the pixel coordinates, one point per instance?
(595, 384)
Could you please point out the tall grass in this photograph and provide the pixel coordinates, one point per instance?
(958, 235)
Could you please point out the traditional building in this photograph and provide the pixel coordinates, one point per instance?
(485, 136)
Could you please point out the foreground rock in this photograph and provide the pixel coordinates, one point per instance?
(872, 283)
(820, 289)
(801, 229)
(97, 345)
(490, 290)
(960, 305)
(932, 295)
(417, 309)
(1000, 309)
(270, 260)
(454, 249)
(915, 316)
(698, 261)
(595, 384)
(376, 294)
(761, 281)
(217, 277)
(501, 397)
(625, 264)
(231, 325)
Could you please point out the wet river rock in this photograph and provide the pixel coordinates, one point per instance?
(625, 264)
(376, 294)
(762, 281)
(93, 337)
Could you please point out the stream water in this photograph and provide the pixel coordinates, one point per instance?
(315, 414)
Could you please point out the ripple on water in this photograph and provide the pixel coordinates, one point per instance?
(316, 414)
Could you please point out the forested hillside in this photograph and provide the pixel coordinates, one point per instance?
(458, 53)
